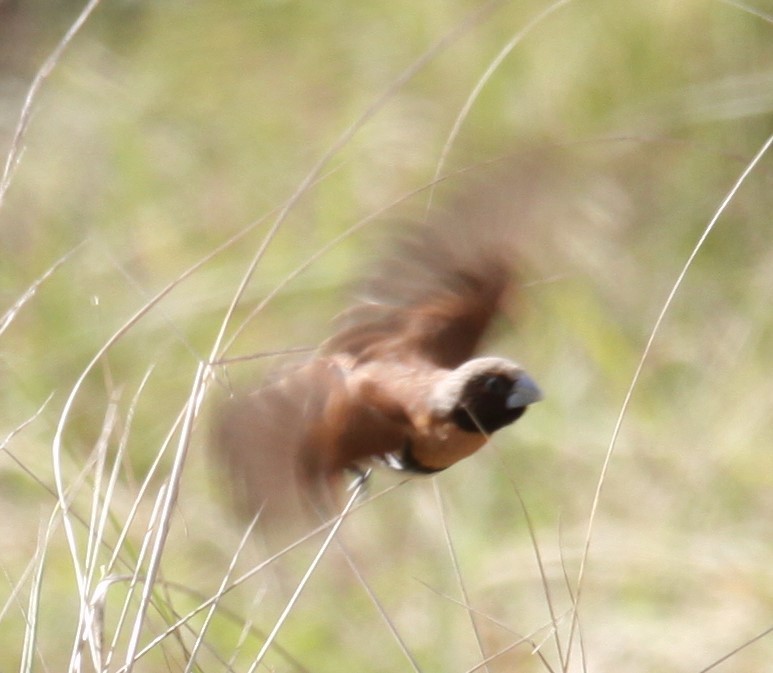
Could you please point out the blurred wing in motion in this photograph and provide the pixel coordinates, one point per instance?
(264, 437)
(287, 445)
(437, 290)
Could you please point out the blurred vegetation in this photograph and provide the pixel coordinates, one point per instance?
(167, 128)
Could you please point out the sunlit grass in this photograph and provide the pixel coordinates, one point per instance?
(167, 130)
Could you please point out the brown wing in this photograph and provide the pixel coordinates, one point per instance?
(436, 292)
(286, 445)
(273, 443)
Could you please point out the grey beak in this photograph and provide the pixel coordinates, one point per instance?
(525, 392)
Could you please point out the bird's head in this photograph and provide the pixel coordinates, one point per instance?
(484, 394)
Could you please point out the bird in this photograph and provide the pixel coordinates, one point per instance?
(399, 382)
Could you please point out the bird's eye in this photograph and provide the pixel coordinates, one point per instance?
(496, 385)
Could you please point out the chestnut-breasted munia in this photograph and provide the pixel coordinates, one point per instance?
(398, 381)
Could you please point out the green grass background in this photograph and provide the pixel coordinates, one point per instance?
(167, 128)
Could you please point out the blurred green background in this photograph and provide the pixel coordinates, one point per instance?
(167, 128)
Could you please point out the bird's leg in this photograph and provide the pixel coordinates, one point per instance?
(396, 460)
(361, 477)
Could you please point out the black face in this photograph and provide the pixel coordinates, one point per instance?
(484, 405)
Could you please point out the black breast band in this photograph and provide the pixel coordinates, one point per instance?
(411, 464)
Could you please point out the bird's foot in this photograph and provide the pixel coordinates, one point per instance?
(360, 480)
